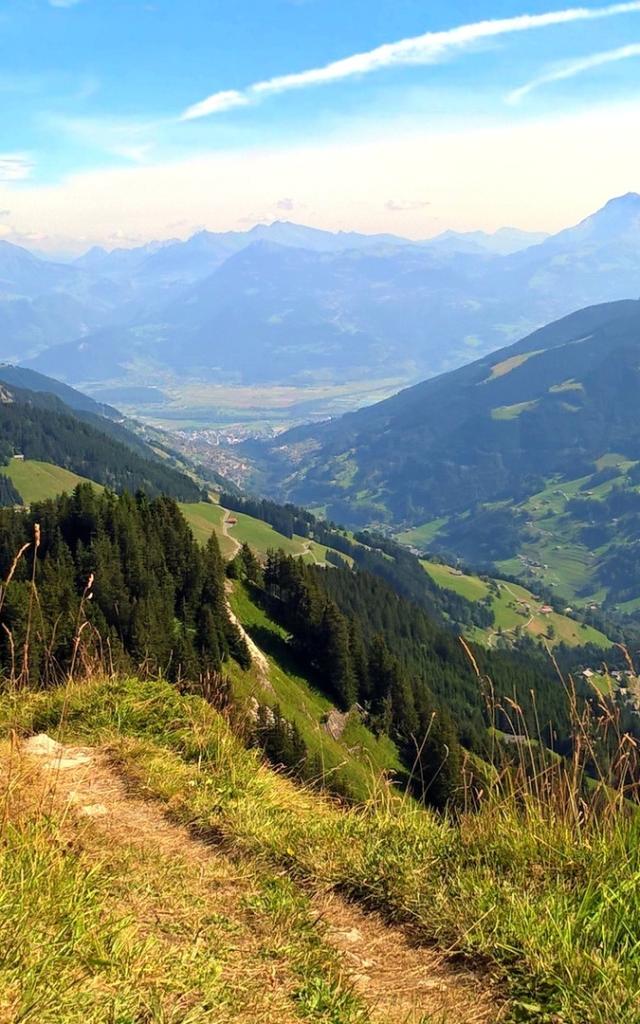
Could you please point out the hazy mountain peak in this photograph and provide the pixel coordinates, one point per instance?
(629, 199)
(503, 242)
(16, 251)
(617, 211)
(617, 222)
(94, 255)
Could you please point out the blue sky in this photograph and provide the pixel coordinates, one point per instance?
(127, 119)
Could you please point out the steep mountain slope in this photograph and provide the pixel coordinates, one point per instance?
(288, 304)
(39, 426)
(30, 380)
(272, 312)
(560, 397)
(43, 303)
(23, 273)
(559, 405)
(38, 481)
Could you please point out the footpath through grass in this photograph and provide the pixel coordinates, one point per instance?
(125, 918)
(549, 898)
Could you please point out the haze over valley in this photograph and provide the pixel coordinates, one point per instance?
(319, 512)
(284, 322)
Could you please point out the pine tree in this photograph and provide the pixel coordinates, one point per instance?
(333, 656)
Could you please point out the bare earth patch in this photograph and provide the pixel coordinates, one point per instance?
(400, 983)
(403, 982)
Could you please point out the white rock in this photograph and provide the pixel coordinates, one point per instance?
(73, 761)
(42, 746)
(94, 810)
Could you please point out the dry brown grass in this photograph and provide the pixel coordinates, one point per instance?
(193, 904)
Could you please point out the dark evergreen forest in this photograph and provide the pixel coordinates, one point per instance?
(363, 643)
(152, 599)
(47, 430)
(372, 553)
(9, 495)
(121, 580)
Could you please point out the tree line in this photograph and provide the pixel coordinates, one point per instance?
(9, 494)
(41, 427)
(364, 644)
(129, 567)
(373, 553)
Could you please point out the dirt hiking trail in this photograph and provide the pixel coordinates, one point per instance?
(226, 526)
(400, 983)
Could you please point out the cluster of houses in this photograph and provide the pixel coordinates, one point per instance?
(626, 689)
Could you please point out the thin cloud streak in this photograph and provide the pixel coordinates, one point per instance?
(15, 166)
(573, 68)
(424, 49)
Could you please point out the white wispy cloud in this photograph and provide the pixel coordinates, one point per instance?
(573, 68)
(216, 104)
(429, 48)
(64, 3)
(128, 138)
(406, 205)
(15, 166)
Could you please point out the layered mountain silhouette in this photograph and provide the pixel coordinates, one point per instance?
(284, 303)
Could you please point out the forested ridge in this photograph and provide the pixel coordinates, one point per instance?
(40, 426)
(372, 553)
(362, 643)
(495, 429)
(31, 380)
(129, 567)
(121, 579)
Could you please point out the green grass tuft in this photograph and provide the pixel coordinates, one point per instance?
(550, 898)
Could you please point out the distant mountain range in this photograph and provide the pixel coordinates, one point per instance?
(284, 303)
(502, 242)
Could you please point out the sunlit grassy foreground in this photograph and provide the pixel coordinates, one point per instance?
(550, 899)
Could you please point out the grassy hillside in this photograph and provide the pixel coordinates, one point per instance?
(486, 430)
(545, 900)
(558, 551)
(554, 546)
(207, 518)
(517, 611)
(350, 758)
(37, 481)
(483, 463)
(261, 537)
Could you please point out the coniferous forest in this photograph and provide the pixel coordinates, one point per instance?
(41, 427)
(364, 644)
(125, 576)
(372, 552)
(9, 495)
(122, 572)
